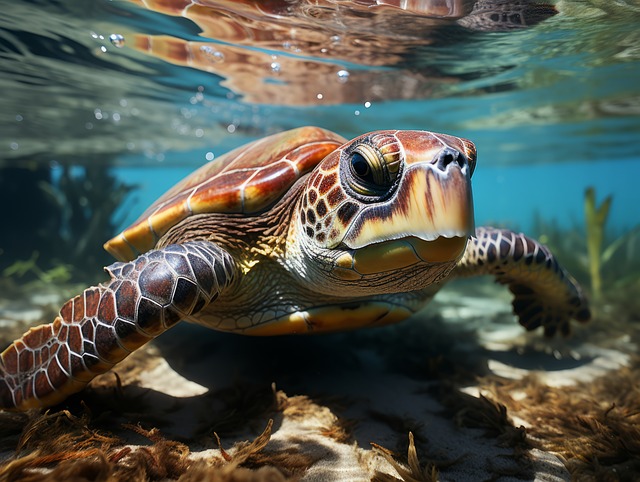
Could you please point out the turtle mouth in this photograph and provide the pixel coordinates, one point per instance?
(440, 250)
(406, 252)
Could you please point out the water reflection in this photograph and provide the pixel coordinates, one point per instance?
(106, 82)
(313, 52)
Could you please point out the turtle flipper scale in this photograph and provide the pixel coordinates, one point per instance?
(544, 293)
(104, 324)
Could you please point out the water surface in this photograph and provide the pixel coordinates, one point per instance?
(548, 92)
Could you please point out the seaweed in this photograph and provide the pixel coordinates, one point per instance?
(88, 197)
(593, 425)
(604, 258)
(596, 218)
(413, 471)
(64, 216)
(57, 274)
(62, 446)
(27, 216)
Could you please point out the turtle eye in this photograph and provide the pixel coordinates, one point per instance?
(360, 166)
(368, 172)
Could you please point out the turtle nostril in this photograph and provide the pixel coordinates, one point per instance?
(449, 156)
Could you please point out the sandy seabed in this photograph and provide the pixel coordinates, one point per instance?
(459, 392)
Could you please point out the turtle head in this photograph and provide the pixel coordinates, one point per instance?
(389, 201)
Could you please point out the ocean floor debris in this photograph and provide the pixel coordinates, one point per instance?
(476, 393)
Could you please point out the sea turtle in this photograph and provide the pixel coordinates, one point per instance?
(299, 232)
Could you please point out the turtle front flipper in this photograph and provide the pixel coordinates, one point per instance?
(544, 293)
(100, 327)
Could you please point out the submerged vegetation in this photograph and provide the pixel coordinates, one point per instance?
(21, 268)
(596, 218)
(57, 221)
(606, 260)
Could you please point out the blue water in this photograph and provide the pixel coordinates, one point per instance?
(553, 108)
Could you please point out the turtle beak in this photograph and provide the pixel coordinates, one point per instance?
(433, 202)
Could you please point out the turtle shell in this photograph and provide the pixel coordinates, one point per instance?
(247, 180)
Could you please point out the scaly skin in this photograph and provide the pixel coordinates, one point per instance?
(100, 327)
(544, 293)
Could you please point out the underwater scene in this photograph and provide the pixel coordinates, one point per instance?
(445, 192)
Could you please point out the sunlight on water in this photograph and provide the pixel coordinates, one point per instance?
(89, 84)
(173, 84)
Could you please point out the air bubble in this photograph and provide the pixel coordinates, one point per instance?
(367, 105)
(231, 128)
(213, 54)
(116, 40)
(199, 132)
(275, 67)
(343, 76)
(335, 39)
(209, 156)
(14, 146)
(319, 96)
(290, 46)
(357, 112)
(103, 49)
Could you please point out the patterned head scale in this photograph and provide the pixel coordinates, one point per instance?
(390, 185)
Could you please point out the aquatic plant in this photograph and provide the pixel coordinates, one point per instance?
(413, 470)
(28, 219)
(69, 444)
(57, 274)
(62, 219)
(566, 242)
(607, 259)
(87, 198)
(596, 218)
(613, 265)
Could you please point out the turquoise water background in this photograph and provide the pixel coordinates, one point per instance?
(553, 108)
